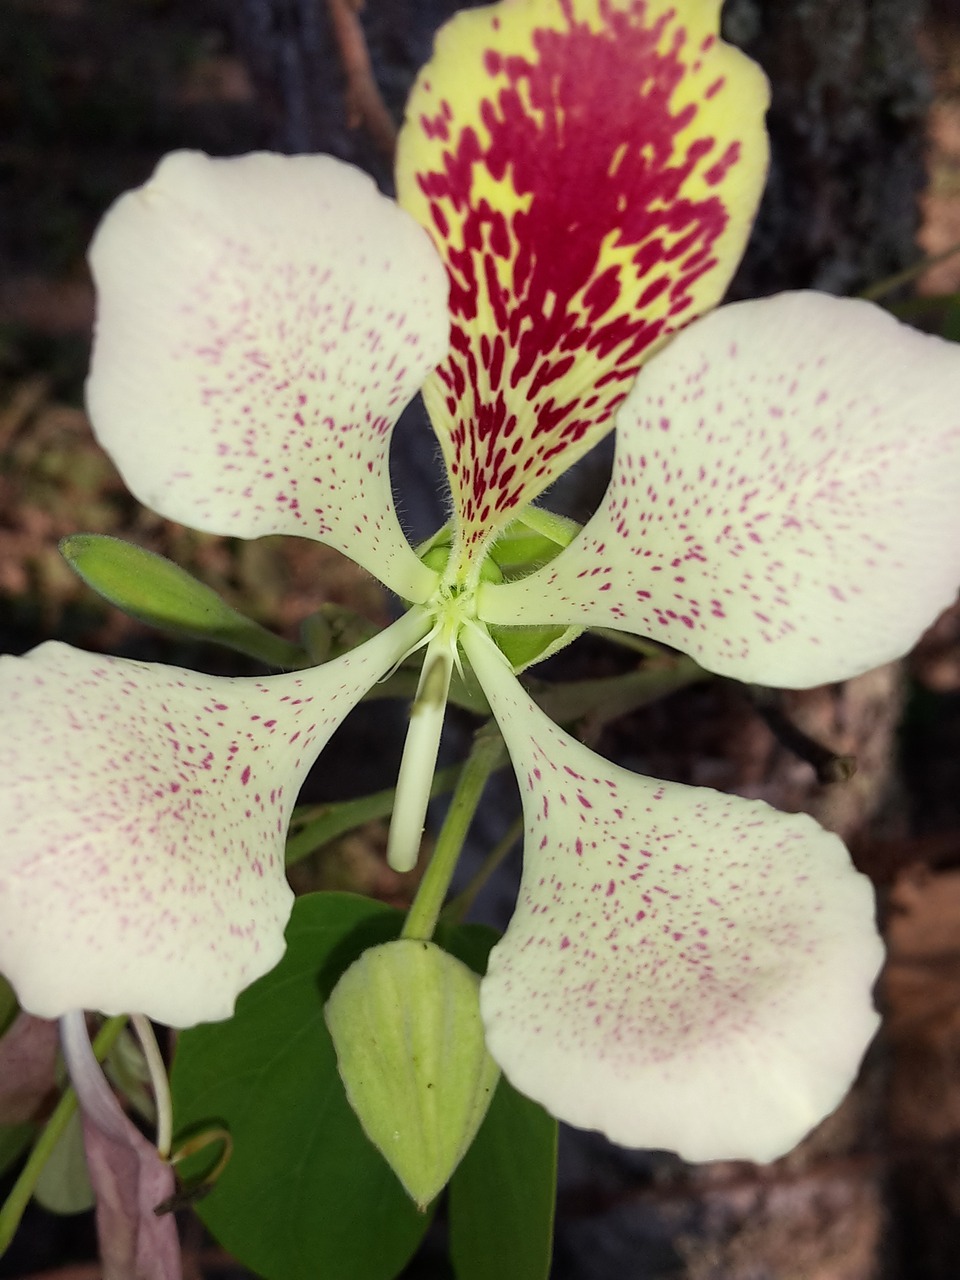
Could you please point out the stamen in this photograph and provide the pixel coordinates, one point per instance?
(420, 752)
(420, 644)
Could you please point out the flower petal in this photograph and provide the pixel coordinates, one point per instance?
(144, 810)
(262, 322)
(589, 170)
(785, 499)
(684, 969)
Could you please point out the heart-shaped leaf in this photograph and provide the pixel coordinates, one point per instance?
(305, 1194)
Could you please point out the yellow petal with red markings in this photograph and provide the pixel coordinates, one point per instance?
(589, 170)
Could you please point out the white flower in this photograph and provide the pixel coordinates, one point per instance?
(684, 969)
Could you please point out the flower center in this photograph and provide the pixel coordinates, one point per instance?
(452, 606)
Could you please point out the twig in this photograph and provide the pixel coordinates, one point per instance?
(365, 105)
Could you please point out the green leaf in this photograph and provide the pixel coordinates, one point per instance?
(64, 1184)
(503, 1194)
(154, 590)
(305, 1194)
(471, 943)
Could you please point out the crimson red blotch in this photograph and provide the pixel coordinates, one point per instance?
(585, 133)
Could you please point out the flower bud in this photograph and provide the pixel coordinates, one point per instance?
(405, 1022)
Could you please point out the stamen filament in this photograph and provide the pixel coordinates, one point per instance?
(420, 753)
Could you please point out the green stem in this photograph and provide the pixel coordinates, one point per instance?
(486, 756)
(608, 697)
(457, 908)
(320, 824)
(888, 285)
(25, 1185)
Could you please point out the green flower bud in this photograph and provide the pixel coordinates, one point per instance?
(405, 1022)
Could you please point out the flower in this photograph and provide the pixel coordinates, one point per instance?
(684, 969)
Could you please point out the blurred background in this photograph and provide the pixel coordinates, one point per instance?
(865, 181)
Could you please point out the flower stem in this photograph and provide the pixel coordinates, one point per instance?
(23, 1188)
(486, 756)
(457, 908)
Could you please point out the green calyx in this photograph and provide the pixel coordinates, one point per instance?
(405, 1023)
(437, 556)
(527, 543)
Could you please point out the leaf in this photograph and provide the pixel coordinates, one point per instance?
(503, 1193)
(502, 1196)
(154, 590)
(64, 1183)
(305, 1194)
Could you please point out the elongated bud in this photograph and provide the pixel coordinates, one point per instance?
(405, 1023)
(154, 590)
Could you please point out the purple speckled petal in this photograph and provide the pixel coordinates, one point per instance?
(785, 500)
(262, 322)
(143, 813)
(684, 969)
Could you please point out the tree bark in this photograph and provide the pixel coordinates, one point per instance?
(850, 96)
